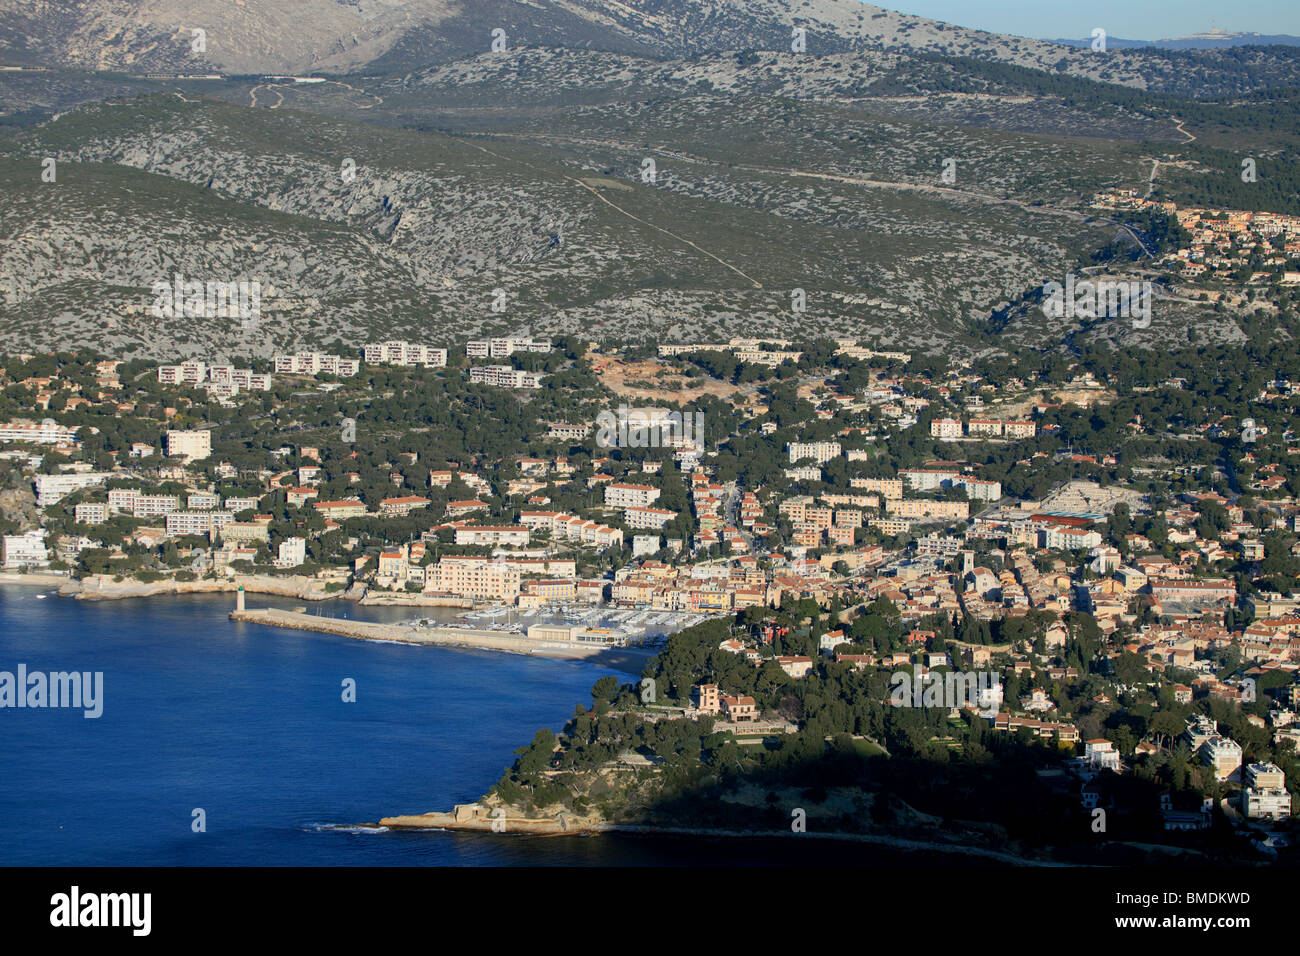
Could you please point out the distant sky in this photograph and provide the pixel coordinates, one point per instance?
(1129, 19)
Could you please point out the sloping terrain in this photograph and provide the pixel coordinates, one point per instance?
(398, 36)
(748, 208)
(637, 170)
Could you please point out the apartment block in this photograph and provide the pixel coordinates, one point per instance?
(23, 550)
(89, 513)
(314, 363)
(503, 376)
(820, 451)
(925, 508)
(45, 432)
(197, 522)
(624, 495)
(654, 518)
(191, 445)
(477, 578)
(291, 553)
(51, 489)
(404, 353)
(493, 535)
(885, 487)
(154, 506)
(504, 347)
(946, 428)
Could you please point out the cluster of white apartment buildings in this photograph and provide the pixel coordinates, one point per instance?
(854, 351)
(503, 376)
(565, 527)
(142, 505)
(198, 522)
(223, 381)
(493, 535)
(313, 363)
(504, 347)
(932, 479)
(404, 353)
(45, 432)
(949, 428)
(754, 351)
(1221, 753)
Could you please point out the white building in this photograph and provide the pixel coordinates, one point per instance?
(46, 432)
(24, 551)
(654, 518)
(154, 506)
(503, 376)
(314, 363)
(492, 535)
(1266, 804)
(90, 513)
(623, 495)
(978, 489)
(1265, 795)
(1101, 755)
(946, 428)
(198, 522)
(191, 445)
(292, 553)
(1223, 754)
(50, 489)
(1069, 539)
(404, 353)
(504, 347)
(820, 451)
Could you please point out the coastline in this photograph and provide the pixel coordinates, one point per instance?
(35, 579)
(100, 587)
(626, 660)
(466, 818)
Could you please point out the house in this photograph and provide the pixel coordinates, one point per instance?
(1101, 754)
(397, 507)
(737, 709)
(795, 666)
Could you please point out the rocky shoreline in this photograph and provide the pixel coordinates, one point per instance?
(100, 587)
(103, 587)
(478, 819)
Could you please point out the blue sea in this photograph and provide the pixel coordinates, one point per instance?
(247, 724)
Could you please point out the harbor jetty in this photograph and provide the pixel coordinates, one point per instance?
(629, 660)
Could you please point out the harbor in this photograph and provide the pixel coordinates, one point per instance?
(628, 659)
